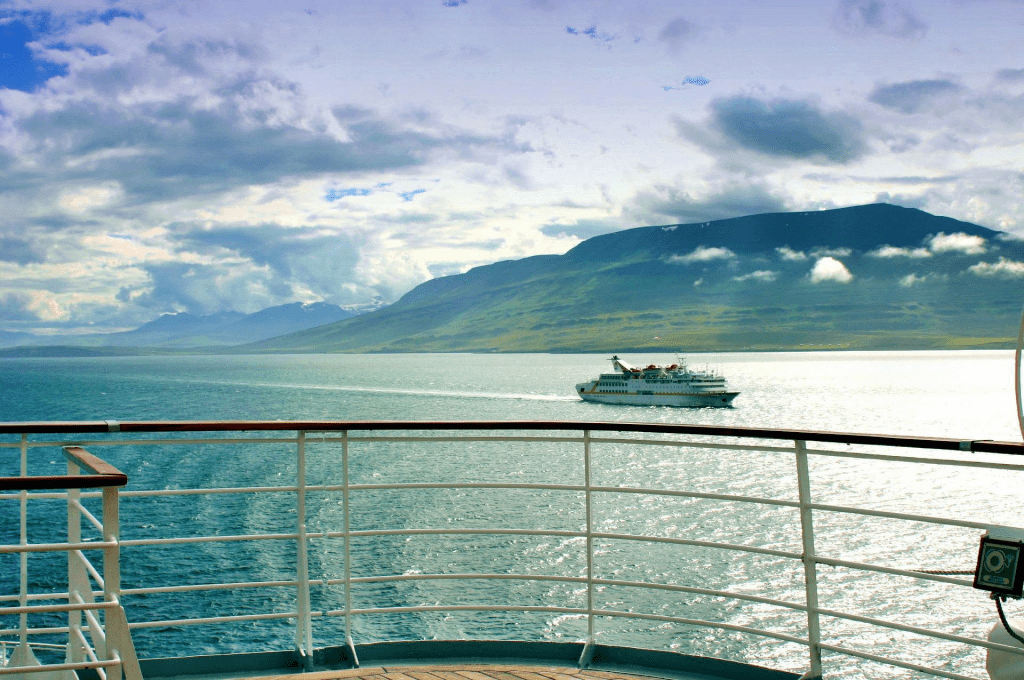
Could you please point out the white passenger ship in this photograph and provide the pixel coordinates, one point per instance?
(673, 385)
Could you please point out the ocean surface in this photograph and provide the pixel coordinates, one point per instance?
(967, 395)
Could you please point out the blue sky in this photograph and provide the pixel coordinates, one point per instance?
(201, 157)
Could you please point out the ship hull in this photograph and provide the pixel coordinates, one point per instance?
(691, 400)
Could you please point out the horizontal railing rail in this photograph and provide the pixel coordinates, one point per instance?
(583, 591)
(939, 443)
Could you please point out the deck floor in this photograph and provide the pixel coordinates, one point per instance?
(468, 672)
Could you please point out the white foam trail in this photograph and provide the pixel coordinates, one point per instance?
(389, 390)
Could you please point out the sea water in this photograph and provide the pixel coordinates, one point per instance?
(967, 395)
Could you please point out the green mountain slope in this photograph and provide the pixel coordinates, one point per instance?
(865, 277)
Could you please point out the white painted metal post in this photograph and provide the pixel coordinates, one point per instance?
(809, 560)
(112, 553)
(304, 627)
(588, 648)
(22, 654)
(119, 641)
(111, 561)
(79, 586)
(348, 548)
(23, 587)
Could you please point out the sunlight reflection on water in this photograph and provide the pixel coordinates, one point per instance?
(951, 394)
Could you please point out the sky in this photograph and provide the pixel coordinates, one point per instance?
(181, 156)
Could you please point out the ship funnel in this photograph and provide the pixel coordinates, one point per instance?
(620, 365)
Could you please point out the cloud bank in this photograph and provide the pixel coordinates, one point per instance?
(173, 157)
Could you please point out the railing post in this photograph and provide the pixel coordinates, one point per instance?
(588, 649)
(22, 654)
(111, 562)
(348, 548)
(79, 586)
(112, 553)
(809, 560)
(23, 540)
(303, 628)
(117, 639)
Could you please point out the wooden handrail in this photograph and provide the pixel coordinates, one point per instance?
(103, 474)
(942, 443)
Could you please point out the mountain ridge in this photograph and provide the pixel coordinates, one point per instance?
(185, 331)
(746, 283)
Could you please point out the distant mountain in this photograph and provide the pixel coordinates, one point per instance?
(188, 331)
(172, 329)
(283, 319)
(228, 328)
(866, 277)
(9, 339)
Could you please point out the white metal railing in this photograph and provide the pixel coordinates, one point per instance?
(97, 632)
(823, 631)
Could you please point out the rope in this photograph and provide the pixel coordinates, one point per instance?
(1002, 617)
(945, 572)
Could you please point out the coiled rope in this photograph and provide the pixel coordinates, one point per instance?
(1002, 617)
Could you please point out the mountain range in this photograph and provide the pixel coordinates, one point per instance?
(866, 277)
(183, 330)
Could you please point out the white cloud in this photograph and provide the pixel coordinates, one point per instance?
(892, 251)
(964, 243)
(911, 280)
(1004, 268)
(787, 253)
(763, 275)
(81, 200)
(830, 269)
(703, 254)
(822, 251)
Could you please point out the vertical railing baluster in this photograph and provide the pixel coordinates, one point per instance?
(22, 654)
(23, 592)
(111, 560)
(348, 548)
(79, 585)
(304, 627)
(588, 649)
(809, 560)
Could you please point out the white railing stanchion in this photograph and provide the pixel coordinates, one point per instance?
(119, 642)
(22, 654)
(588, 649)
(303, 628)
(79, 587)
(809, 560)
(24, 584)
(111, 563)
(347, 532)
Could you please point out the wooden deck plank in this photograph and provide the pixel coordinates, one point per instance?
(501, 672)
(528, 674)
(457, 671)
(475, 674)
